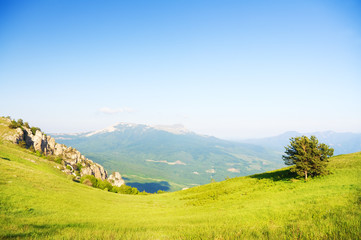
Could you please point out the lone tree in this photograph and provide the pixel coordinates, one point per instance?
(309, 156)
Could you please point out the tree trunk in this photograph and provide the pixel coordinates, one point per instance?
(305, 175)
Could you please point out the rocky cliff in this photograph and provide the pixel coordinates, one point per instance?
(116, 179)
(70, 156)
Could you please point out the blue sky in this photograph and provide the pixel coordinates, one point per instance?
(232, 69)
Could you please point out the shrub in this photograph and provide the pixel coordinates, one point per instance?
(20, 122)
(128, 190)
(22, 144)
(39, 154)
(31, 148)
(13, 124)
(79, 167)
(87, 182)
(91, 178)
(105, 185)
(58, 160)
(34, 129)
(26, 124)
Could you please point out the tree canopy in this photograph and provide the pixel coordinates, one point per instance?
(309, 157)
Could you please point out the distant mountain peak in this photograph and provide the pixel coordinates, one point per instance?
(127, 124)
(175, 128)
(105, 130)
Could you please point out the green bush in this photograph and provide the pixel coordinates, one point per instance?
(87, 182)
(79, 167)
(39, 154)
(128, 190)
(22, 144)
(20, 122)
(16, 124)
(54, 158)
(31, 148)
(58, 160)
(34, 129)
(105, 185)
(13, 124)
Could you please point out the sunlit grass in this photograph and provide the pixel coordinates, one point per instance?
(39, 201)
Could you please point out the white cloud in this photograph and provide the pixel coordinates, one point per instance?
(196, 173)
(233, 170)
(107, 110)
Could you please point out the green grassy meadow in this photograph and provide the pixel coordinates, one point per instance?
(37, 201)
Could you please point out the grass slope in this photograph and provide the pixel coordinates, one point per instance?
(38, 201)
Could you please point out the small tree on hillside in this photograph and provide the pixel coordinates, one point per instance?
(20, 122)
(309, 157)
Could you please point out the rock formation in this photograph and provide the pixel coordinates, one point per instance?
(70, 156)
(116, 179)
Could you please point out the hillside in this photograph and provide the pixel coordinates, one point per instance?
(39, 201)
(169, 157)
(69, 160)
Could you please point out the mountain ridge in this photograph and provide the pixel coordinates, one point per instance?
(180, 156)
(342, 142)
(174, 128)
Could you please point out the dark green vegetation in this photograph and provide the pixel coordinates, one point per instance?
(38, 201)
(309, 157)
(152, 159)
(92, 181)
(20, 124)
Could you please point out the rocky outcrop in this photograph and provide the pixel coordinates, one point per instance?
(70, 156)
(116, 179)
(94, 169)
(16, 137)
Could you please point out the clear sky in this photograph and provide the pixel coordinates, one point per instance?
(232, 69)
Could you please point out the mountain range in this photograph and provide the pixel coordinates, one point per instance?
(170, 158)
(343, 143)
(155, 158)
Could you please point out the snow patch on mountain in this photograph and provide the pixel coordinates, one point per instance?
(105, 130)
(175, 128)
